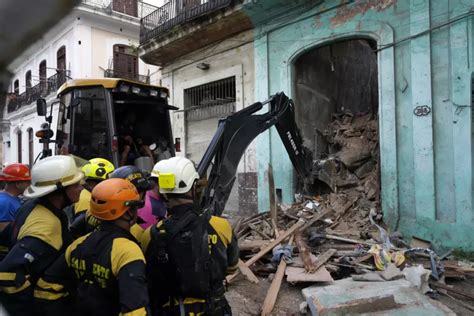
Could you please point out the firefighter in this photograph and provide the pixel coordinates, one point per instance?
(97, 170)
(39, 231)
(101, 273)
(190, 252)
(17, 178)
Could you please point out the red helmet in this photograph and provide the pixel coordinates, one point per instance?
(15, 172)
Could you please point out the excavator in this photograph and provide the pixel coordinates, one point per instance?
(219, 164)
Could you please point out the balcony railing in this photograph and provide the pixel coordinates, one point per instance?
(42, 89)
(140, 10)
(110, 73)
(176, 12)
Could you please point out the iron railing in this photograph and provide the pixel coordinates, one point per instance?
(109, 6)
(42, 89)
(176, 12)
(110, 73)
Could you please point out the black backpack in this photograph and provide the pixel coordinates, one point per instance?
(182, 250)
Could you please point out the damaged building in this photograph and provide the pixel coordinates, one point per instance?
(383, 95)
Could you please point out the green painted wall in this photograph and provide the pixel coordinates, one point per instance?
(426, 161)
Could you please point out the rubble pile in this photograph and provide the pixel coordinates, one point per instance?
(339, 234)
(301, 247)
(351, 172)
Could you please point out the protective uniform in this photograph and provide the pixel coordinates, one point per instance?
(97, 170)
(101, 273)
(177, 176)
(39, 234)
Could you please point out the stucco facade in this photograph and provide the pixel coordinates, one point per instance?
(230, 58)
(425, 55)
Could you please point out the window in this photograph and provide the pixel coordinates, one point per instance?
(61, 64)
(125, 62)
(28, 79)
(42, 75)
(212, 99)
(90, 134)
(30, 147)
(16, 87)
(19, 145)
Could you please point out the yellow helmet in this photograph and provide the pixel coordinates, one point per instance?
(98, 169)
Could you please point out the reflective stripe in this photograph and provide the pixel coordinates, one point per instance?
(138, 312)
(49, 286)
(7, 276)
(54, 182)
(14, 289)
(192, 300)
(50, 296)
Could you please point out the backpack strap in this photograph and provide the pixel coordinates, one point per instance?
(163, 238)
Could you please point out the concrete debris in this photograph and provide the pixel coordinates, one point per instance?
(371, 298)
(418, 276)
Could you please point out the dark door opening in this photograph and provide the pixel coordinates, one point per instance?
(336, 93)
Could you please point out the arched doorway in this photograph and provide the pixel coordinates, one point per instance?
(336, 90)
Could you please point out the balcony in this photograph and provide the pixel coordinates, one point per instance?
(42, 89)
(133, 8)
(110, 73)
(183, 26)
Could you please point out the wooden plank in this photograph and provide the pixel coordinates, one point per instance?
(269, 247)
(247, 272)
(295, 275)
(272, 293)
(315, 219)
(272, 245)
(323, 258)
(249, 245)
(271, 186)
(305, 253)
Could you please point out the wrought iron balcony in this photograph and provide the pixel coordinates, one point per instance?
(176, 12)
(42, 89)
(110, 73)
(139, 10)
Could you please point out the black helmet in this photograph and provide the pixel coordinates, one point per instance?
(134, 175)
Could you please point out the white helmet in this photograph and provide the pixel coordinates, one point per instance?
(51, 171)
(176, 175)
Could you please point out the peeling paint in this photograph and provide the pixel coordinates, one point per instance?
(347, 13)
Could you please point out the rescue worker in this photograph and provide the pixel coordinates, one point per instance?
(17, 178)
(97, 170)
(140, 180)
(39, 231)
(190, 252)
(101, 273)
(154, 209)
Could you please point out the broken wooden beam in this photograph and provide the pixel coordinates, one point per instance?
(247, 272)
(323, 258)
(269, 247)
(271, 187)
(305, 253)
(272, 293)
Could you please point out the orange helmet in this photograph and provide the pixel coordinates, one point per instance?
(111, 198)
(15, 172)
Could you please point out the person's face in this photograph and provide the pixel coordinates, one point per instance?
(73, 191)
(22, 185)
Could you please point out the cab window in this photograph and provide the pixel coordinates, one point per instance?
(90, 134)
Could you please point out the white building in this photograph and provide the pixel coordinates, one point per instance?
(99, 38)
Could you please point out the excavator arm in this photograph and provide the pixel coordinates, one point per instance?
(235, 133)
